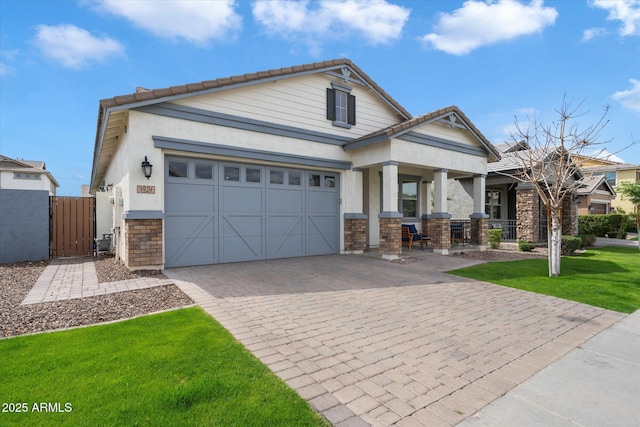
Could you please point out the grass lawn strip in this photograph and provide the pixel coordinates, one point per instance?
(169, 369)
(604, 277)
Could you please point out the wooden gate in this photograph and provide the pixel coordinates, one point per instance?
(72, 226)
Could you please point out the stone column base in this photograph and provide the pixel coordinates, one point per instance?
(440, 234)
(143, 244)
(355, 233)
(480, 232)
(390, 237)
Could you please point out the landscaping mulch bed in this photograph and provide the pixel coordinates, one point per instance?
(17, 279)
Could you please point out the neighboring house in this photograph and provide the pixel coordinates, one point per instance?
(615, 173)
(513, 206)
(305, 160)
(26, 175)
(595, 196)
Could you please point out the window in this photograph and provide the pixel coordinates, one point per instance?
(178, 169)
(341, 106)
(294, 178)
(408, 197)
(493, 204)
(314, 180)
(329, 181)
(204, 171)
(252, 175)
(231, 173)
(31, 176)
(276, 177)
(610, 177)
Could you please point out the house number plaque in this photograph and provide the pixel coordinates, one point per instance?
(146, 189)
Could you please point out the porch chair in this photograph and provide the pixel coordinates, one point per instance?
(410, 236)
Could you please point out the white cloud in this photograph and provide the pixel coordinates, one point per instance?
(377, 21)
(197, 22)
(74, 47)
(6, 70)
(481, 23)
(627, 11)
(592, 33)
(630, 98)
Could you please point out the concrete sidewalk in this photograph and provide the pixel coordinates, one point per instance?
(597, 384)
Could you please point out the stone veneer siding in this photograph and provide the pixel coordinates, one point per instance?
(569, 216)
(355, 234)
(440, 233)
(390, 236)
(143, 243)
(528, 215)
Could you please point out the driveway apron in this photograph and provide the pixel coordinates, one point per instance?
(371, 342)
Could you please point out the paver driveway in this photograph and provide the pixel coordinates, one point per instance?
(372, 342)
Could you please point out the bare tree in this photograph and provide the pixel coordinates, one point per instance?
(552, 162)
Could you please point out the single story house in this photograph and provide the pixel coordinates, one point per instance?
(512, 205)
(304, 160)
(26, 175)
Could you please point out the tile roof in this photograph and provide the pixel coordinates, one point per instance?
(142, 94)
(409, 124)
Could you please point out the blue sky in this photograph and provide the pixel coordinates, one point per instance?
(496, 60)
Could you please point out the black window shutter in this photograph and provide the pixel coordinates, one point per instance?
(351, 110)
(331, 104)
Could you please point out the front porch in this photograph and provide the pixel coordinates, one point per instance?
(416, 196)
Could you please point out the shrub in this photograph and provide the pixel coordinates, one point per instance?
(524, 246)
(587, 240)
(495, 238)
(570, 244)
(600, 225)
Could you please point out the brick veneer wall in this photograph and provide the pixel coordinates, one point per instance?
(479, 231)
(143, 243)
(355, 234)
(528, 215)
(390, 236)
(440, 232)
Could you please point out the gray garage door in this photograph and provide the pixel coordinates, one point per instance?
(226, 212)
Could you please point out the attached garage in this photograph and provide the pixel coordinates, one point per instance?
(218, 211)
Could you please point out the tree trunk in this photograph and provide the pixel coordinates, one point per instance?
(555, 241)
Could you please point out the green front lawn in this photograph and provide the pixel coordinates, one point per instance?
(604, 277)
(170, 369)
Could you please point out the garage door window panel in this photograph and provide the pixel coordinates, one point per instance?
(178, 169)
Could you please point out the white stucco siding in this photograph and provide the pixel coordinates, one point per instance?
(298, 102)
(444, 131)
(151, 125)
(9, 181)
(437, 158)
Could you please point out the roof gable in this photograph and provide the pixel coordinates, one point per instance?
(341, 68)
(451, 116)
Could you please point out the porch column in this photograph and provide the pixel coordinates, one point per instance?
(390, 218)
(527, 213)
(440, 220)
(479, 219)
(355, 221)
(426, 205)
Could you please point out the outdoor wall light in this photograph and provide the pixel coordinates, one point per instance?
(146, 168)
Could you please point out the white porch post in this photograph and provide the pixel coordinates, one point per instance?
(390, 219)
(479, 184)
(440, 219)
(479, 221)
(440, 197)
(355, 221)
(390, 187)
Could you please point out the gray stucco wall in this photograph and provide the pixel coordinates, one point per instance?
(24, 225)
